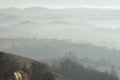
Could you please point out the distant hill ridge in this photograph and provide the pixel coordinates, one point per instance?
(53, 48)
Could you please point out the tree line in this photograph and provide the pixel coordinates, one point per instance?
(69, 68)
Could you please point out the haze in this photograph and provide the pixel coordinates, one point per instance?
(111, 4)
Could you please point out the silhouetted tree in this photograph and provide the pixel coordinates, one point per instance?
(71, 70)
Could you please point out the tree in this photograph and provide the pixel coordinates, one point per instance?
(70, 69)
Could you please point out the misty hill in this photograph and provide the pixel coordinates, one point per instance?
(10, 33)
(5, 19)
(85, 31)
(27, 11)
(61, 29)
(53, 48)
(32, 69)
(79, 24)
(27, 22)
(60, 22)
(103, 13)
(70, 69)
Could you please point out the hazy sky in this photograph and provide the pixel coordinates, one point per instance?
(112, 4)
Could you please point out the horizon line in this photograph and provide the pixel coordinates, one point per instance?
(58, 7)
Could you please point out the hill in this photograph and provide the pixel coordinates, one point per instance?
(53, 48)
(34, 69)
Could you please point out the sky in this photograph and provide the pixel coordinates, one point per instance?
(110, 4)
